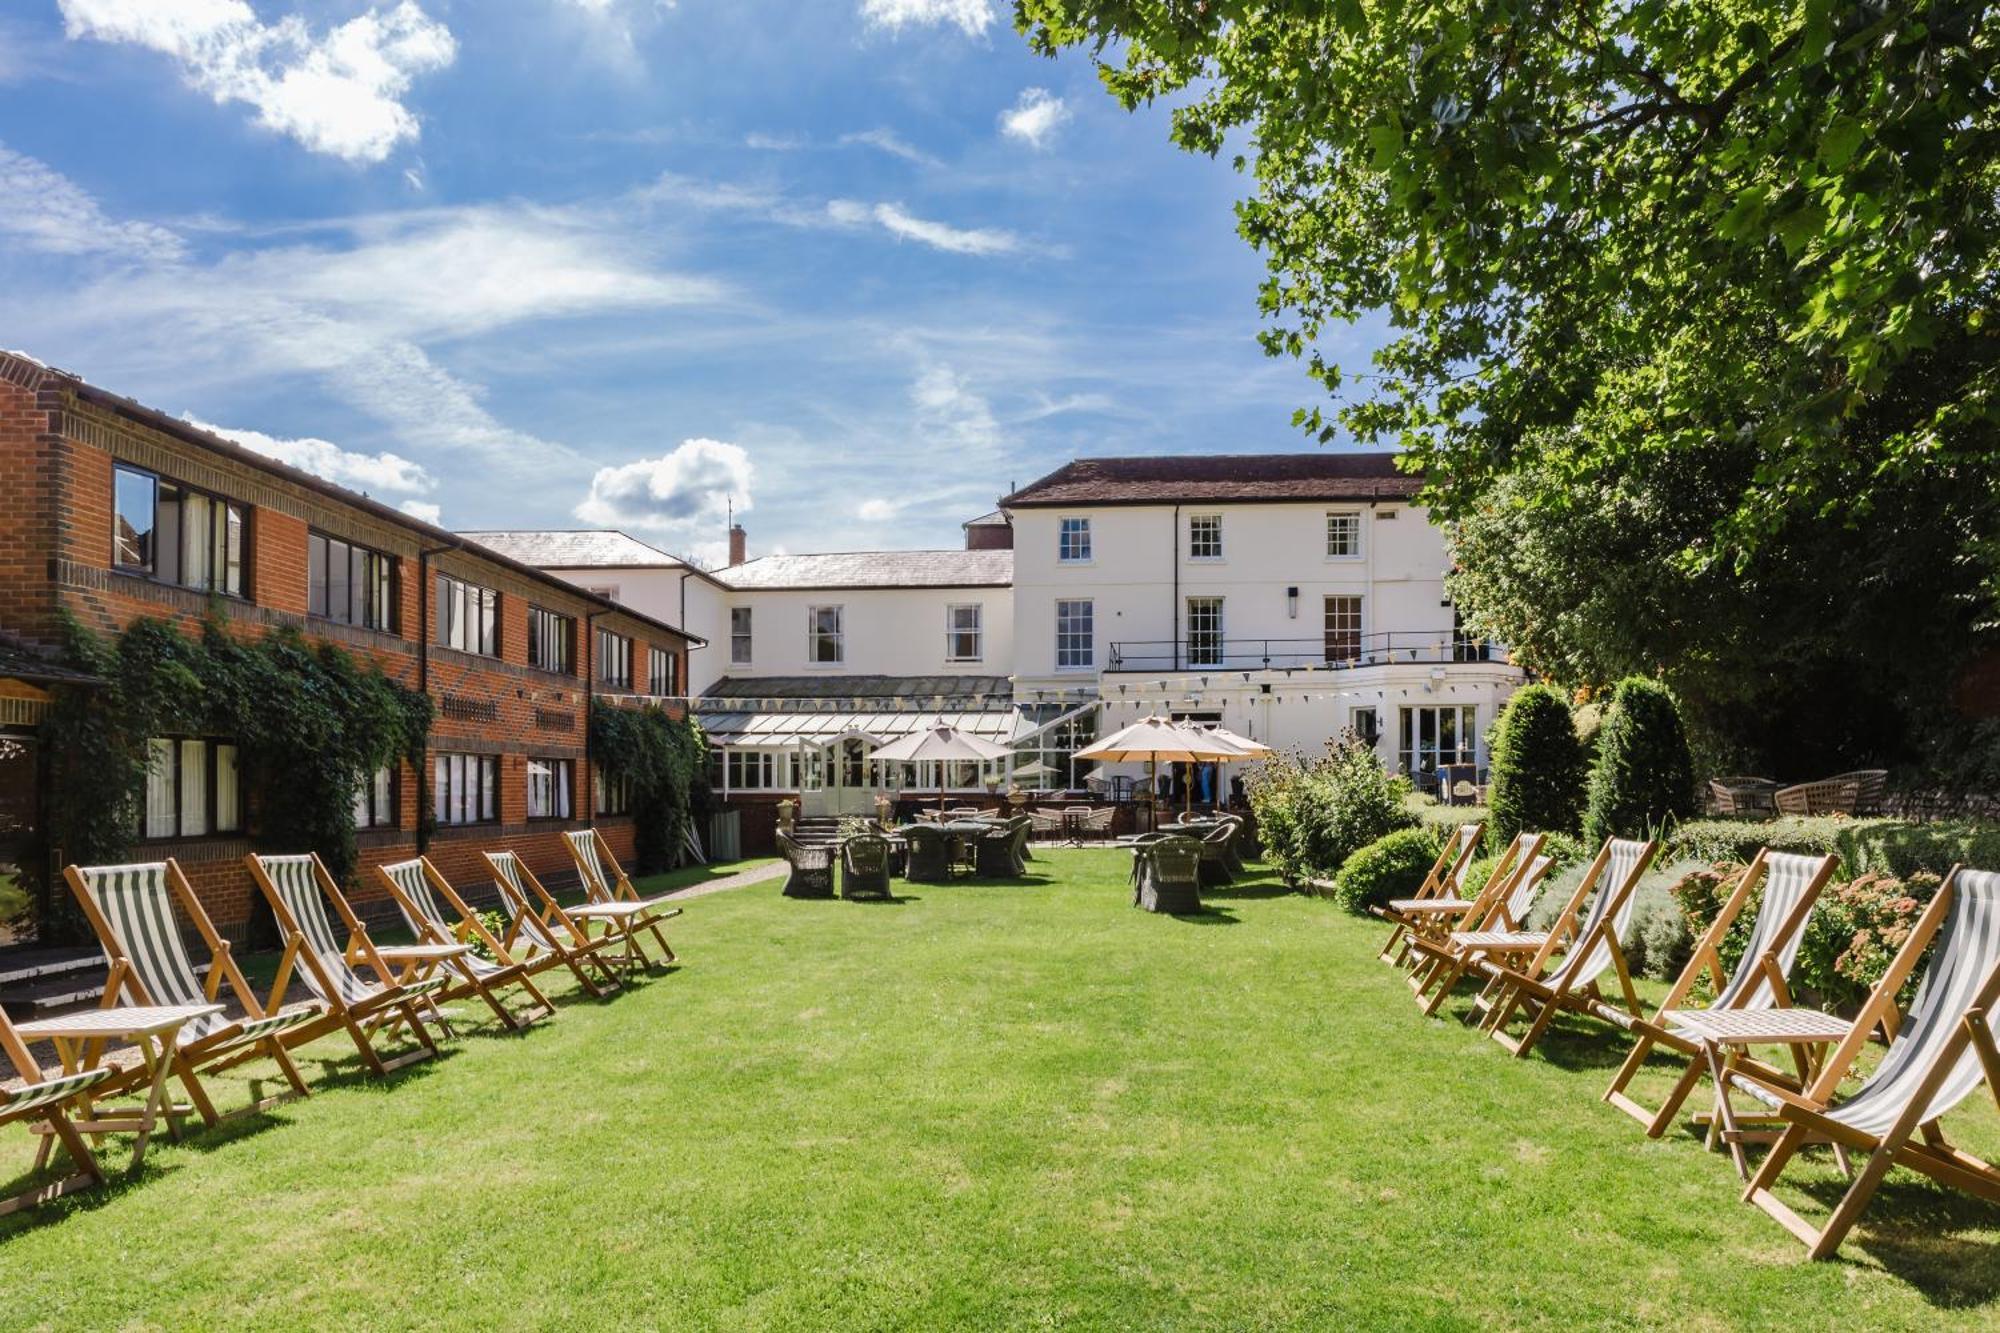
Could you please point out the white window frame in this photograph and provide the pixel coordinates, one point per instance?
(468, 616)
(551, 785)
(1066, 609)
(1352, 520)
(953, 631)
(465, 788)
(837, 636)
(1360, 624)
(192, 789)
(1216, 637)
(375, 799)
(1079, 551)
(742, 629)
(1214, 537)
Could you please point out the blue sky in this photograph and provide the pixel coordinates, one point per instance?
(860, 264)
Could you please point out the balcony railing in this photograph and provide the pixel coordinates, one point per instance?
(1391, 648)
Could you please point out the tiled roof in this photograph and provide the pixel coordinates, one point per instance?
(875, 569)
(858, 687)
(590, 548)
(996, 519)
(19, 661)
(1215, 478)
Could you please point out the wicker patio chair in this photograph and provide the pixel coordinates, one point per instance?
(993, 854)
(811, 867)
(1166, 876)
(1739, 796)
(1045, 823)
(930, 853)
(1828, 796)
(1096, 824)
(1215, 857)
(864, 867)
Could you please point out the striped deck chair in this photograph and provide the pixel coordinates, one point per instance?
(1430, 921)
(1498, 933)
(1544, 986)
(1445, 879)
(1790, 887)
(298, 889)
(39, 1099)
(538, 925)
(610, 891)
(428, 902)
(1940, 1055)
(131, 907)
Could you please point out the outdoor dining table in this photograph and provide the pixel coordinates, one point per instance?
(1724, 1034)
(80, 1040)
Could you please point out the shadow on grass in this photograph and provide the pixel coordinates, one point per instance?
(1936, 1239)
(1250, 891)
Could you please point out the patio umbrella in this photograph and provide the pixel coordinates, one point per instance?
(940, 744)
(1242, 747)
(1036, 769)
(1155, 738)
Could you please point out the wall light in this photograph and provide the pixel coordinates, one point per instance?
(1292, 603)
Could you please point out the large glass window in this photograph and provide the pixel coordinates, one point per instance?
(191, 788)
(350, 583)
(826, 642)
(611, 795)
(739, 636)
(963, 633)
(176, 534)
(1434, 734)
(468, 616)
(551, 640)
(465, 788)
(1073, 540)
(375, 799)
(1343, 534)
(1076, 639)
(663, 671)
(1205, 537)
(549, 788)
(1343, 628)
(614, 659)
(751, 770)
(1204, 631)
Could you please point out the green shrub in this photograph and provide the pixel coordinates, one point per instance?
(1434, 814)
(1865, 846)
(1856, 931)
(1537, 769)
(1657, 941)
(1312, 817)
(1644, 777)
(1564, 851)
(1393, 866)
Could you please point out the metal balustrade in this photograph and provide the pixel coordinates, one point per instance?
(1389, 648)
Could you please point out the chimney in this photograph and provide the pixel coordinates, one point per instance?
(739, 542)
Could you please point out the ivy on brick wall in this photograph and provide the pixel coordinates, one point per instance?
(310, 725)
(664, 760)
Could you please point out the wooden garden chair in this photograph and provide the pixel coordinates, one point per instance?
(612, 896)
(1445, 878)
(538, 925)
(298, 889)
(1940, 1055)
(131, 908)
(43, 1102)
(1501, 903)
(1545, 987)
(1789, 887)
(1498, 934)
(423, 896)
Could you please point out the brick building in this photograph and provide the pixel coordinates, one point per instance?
(114, 512)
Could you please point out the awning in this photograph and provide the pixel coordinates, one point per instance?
(789, 730)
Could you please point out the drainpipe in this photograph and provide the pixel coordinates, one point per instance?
(1176, 618)
(589, 656)
(424, 675)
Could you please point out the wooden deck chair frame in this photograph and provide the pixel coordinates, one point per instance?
(1437, 916)
(1436, 963)
(1772, 990)
(226, 1042)
(553, 930)
(597, 869)
(470, 978)
(1915, 1139)
(391, 1005)
(1445, 875)
(1546, 987)
(43, 1099)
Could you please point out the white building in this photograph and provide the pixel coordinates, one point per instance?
(1289, 597)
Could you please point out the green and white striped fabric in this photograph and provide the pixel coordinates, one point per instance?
(1580, 968)
(293, 878)
(416, 886)
(520, 908)
(1521, 898)
(60, 1087)
(1786, 878)
(596, 884)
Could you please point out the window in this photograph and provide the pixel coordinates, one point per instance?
(1204, 631)
(1366, 724)
(1343, 535)
(468, 616)
(739, 636)
(350, 583)
(1205, 537)
(375, 800)
(825, 641)
(1465, 645)
(663, 671)
(466, 788)
(614, 659)
(191, 788)
(551, 641)
(612, 795)
(1343, 629)
(749, 770)
(176, 534)
(1076, 643)
(608, 591)
(549, 788)
(962, 637)
(1435, 734)
(1073, 540)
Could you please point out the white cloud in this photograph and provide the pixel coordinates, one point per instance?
(951, 416)
(41, 209)
(1034, 118)
(424, 511)
(970, 16)
(339, 92)
(773, 143)
(877, 510)
(894, 144)
(771, 206)
(687, 493)
(958, 240)
(364, 472)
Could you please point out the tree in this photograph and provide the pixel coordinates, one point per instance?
(1537, 767)
(1644, 775)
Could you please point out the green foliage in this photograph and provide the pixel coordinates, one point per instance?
(1537, 767)
(1644, 775)
(1896, 847)
(665, 760)
(1392, 866)
(1313, 816)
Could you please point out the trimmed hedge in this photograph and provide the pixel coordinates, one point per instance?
(1644, 777)
(1390, 867)
(1537, 769)
(1896, 847)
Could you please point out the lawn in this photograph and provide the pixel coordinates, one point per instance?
(996, 1106)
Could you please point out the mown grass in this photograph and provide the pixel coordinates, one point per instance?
(986, 1106)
